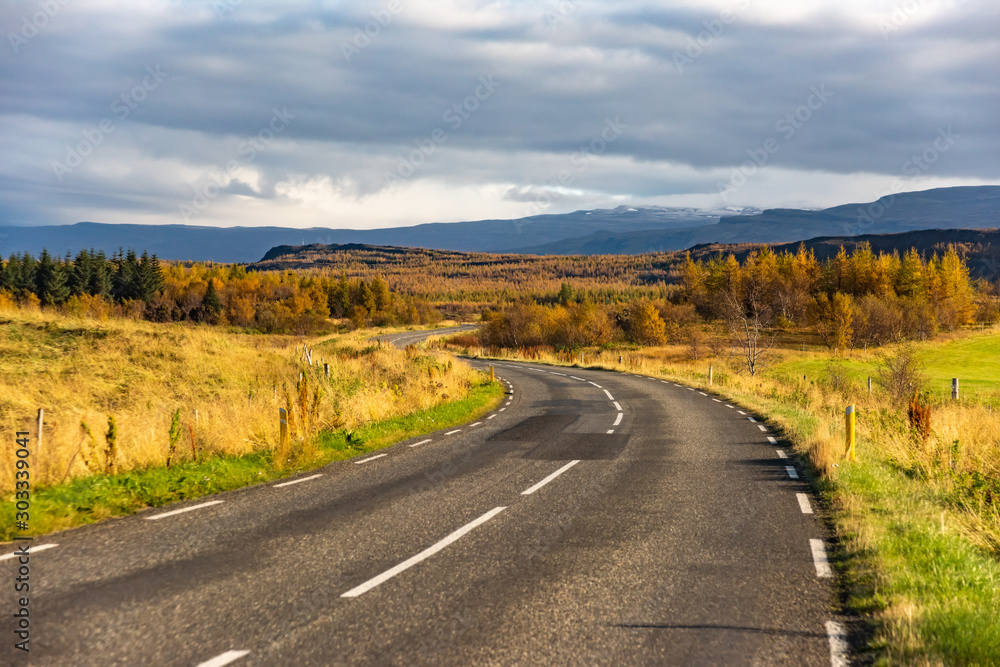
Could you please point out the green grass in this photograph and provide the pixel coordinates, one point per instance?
(909, 562)
(974, 360)
(91, 499)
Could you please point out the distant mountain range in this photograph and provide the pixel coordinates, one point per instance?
(248, 244)
(623, 230)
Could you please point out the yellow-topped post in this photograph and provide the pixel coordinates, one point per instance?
(492, 376)
(849, 418)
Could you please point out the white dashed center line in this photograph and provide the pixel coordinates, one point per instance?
(183, 510)
(532, 489)
(610, 397)
(617, 406)
(618, 419)
(422, 442)
(423, 555)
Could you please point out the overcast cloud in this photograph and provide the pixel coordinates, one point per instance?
(230, 112)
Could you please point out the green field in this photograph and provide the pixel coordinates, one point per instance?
(974, 360)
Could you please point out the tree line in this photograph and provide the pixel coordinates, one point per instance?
(856, 299)
(129, 285)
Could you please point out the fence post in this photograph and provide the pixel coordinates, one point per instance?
(869, 384)
(710, 375)
(326, 370)
(954, 389)
(283, 422)
(41, 424)
(849, 417)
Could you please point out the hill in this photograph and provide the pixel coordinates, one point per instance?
(247, 244)
(974, 207)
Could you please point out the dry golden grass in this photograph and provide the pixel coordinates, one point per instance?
(227, 386)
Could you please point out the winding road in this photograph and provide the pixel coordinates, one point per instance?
(592, 518)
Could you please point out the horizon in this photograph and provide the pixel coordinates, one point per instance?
(394, 114)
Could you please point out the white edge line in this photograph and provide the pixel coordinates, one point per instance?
(781, 453)
(741, 412)
(618, 407)
(31, 550)
(804, 504)
(595, 384)
(426, 553)
(223, 659)
(182, 510)
(501, 409)
(297, 481)
(610, 397)
(717, 400)
(476, 424)
(453, 432)
(823, 569)
(771, 440)
(610, 431)
(792, 474)
(762, 427)
(618, 419)
(752, 419)
(730, 406)
(370, 458)
(422, 442)
(532, 489)
(703, 393)
(838, 644)
(490, 417)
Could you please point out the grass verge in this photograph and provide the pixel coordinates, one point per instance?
(91, 499)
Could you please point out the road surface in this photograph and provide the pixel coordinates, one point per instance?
(592, 518)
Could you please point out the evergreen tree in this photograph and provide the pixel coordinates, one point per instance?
(50, 280)
(99, 281)
(211, 303)
(125, 283)
(149, 277)
(78, 277)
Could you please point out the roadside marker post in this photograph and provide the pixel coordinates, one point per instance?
(493, 377)
(849, 417)
(954, 389)
(283, 419)
(710, 376)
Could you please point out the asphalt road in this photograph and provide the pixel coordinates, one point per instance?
(413, 337)
(593, 518)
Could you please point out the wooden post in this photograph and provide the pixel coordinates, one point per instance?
(849, 418)
(283, 424)
(492, 375)
(41, 425)
(954, 389)
(710, 375)
(619, 359)
(326, 370)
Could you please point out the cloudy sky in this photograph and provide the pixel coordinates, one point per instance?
(396, 112)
